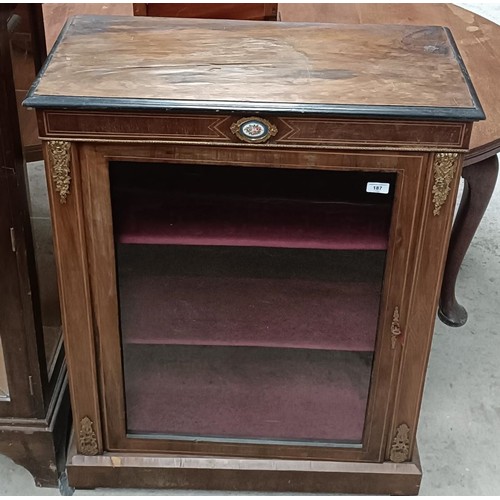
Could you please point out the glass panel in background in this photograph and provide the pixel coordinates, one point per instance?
(41, 227)
(24, 53)
(4, 385)
(249, 300)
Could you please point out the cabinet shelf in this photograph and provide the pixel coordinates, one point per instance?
(231, 392)
(173, 218)
(251, 313)
(250, 297)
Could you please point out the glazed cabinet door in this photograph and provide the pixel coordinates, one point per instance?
(246, 301)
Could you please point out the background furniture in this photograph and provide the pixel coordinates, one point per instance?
(213, 250)
(28, 52)
(34, 403)
(248, 11)
(478, 41)
(55, 15)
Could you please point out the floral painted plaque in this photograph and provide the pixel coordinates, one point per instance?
(253, 129)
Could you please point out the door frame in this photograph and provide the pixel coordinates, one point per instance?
(97, 220)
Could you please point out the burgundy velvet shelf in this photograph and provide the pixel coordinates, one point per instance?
(235, 311)
(174, 218)
(286, 394)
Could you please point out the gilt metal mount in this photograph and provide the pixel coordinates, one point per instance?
(87, 439)
(400, 449)
(445, 166)
(60, 163)
(395, 327)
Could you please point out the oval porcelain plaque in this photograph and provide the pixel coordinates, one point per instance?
(253, 129)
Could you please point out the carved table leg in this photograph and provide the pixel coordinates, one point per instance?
(479, 183)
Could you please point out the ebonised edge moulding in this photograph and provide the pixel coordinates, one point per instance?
(251, 223)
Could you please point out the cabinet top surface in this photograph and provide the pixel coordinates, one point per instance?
(113, 62)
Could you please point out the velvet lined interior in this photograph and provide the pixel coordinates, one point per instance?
(182, 220)
(244, 311)
(234, 392)
(249, 297)
(235, 206)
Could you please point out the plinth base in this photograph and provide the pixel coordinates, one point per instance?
(122, 470)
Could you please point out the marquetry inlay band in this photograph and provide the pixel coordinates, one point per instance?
(445, 166)
(333, 147)
(60, 162)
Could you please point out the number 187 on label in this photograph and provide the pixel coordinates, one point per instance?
(377, 187)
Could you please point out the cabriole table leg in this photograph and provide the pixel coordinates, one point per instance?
(479, 184)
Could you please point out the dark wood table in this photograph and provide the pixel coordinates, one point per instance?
(478, 40)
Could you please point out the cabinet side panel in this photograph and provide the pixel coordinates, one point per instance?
(437, 215)
(401, 259)
(64, 185)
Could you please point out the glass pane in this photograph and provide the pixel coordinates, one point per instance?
(4, 385)
(23, 66)
(249, 300)
(41, 228)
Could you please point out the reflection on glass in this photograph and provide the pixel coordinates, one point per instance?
(45, 262)
(24, 53)
(249, 300)
(4, 385)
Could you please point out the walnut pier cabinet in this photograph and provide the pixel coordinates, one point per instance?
(251, 222)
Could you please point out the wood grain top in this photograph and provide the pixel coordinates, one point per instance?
(159, 63)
